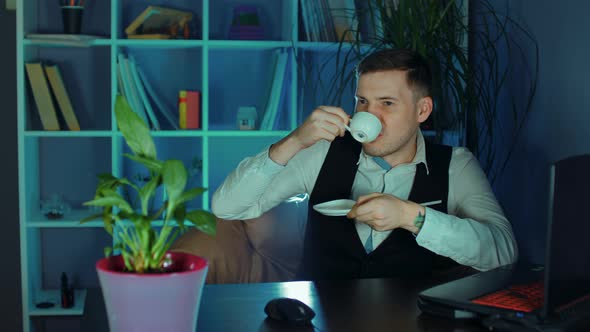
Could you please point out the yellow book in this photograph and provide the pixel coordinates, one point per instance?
(61, 95)
(155, 18)
(182, 109)
(42, 96)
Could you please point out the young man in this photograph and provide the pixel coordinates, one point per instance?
(391, 231)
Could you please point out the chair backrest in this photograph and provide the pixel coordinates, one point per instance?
(278, 234)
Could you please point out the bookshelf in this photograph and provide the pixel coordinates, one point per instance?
(228, 73)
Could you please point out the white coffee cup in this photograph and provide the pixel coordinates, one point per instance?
(364, 127)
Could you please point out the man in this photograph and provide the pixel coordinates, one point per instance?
(420, 208)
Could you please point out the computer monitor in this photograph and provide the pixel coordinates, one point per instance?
(568, 234)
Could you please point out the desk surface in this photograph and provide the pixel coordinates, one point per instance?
(355, 305)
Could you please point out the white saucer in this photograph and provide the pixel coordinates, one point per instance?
(339, 207)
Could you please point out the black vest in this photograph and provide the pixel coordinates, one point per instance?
(332, 248)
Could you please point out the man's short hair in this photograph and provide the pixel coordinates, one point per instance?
(418, 74)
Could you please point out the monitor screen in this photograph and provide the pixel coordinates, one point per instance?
(568, 237)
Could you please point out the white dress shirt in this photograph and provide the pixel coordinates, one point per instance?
(475, 231)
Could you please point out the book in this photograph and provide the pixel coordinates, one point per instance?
(156, 19)
(42, 96)
(272, 104)
(61, 96)
(159, 103)
(129, 88)
(142, 93)
(264, 109)
(193, 109)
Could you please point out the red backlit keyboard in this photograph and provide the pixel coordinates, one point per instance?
(525, 298)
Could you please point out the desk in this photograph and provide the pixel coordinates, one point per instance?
(341, 306)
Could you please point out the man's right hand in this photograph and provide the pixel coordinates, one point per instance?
(325, 122)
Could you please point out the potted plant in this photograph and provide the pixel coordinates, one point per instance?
(146, 287)
(474, 51)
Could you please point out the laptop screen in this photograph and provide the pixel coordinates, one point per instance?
(568, 237)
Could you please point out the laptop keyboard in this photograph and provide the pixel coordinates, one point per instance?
(525, 298)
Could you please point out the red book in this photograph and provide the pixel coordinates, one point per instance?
(193, 109)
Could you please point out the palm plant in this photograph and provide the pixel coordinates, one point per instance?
(473, 53)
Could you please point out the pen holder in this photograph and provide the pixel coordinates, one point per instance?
(72, 18)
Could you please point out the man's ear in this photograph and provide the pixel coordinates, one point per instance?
(424, 108)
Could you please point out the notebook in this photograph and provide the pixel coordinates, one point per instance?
(553, 297)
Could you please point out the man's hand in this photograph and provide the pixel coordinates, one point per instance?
(325, 122)
(384, 212)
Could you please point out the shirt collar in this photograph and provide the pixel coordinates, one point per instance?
(420, 156)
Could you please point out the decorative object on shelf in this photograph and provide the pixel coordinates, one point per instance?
(71, 13)
(145, 287)
(196, 167)
(468, 80)
(247, 118)
(160, 23)
(44, 305)
(246, 24)
(67, 292)
(55, 207)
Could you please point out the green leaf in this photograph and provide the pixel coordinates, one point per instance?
(134, 130)
(108, 223)
(153, 165)
(175, 177)
(147, 191)
(110, 198)
(108, 251)
(190, 194)
(203, 220)
(180, 215)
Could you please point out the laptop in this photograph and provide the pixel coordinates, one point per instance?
(553, 297)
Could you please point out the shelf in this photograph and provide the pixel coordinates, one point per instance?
(160, 43)
(327, 46)
(71, 220)
(54, 43)
(64, 224)
(161, 133)
(178, 133)
(68, 133)
(249, 44)
(248, 133)
(55, 297)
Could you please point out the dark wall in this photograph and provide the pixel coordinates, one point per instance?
(9, 235)
(559, 122)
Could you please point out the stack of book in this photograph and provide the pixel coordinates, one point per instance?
(134, 85)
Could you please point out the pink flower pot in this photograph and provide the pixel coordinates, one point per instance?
(153, 302)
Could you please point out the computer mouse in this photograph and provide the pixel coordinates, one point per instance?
(289, 310)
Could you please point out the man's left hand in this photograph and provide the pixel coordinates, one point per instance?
(384, 212)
